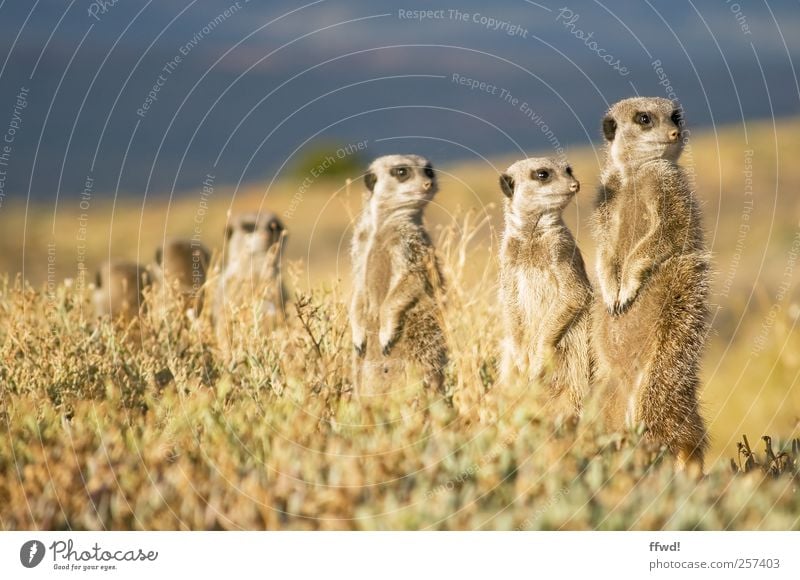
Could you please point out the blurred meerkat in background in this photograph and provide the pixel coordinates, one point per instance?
(180, 274)
(395, 315)
(119, 290)
(250, 289)
(650, 318)
(545, 293)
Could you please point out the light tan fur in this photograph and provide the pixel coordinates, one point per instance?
(544, 291)
(395, 311)
(250, 289)
(180, 274)
(650, 317)
(119, 290)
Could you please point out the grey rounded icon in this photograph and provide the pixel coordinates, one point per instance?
(31, 553)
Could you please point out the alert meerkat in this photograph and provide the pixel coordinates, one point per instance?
(180, 272)
(395, 312)
(651, 315)
(544, 290)
(119, 290)
(251, 287)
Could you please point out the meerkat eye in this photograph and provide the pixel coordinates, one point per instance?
(248, 227)
(401, 173)
(429, 171)
(643, 119)
(540, 175)
(676, 117)
(569, 171)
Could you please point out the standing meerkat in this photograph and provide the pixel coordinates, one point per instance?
(180, 271)
(544, 291)
(251, 286)
(651, 316)
(119, 290)
(395, 313)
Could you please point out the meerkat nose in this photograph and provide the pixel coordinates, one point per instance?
(575, 186)
(673, 135)
(427, 185)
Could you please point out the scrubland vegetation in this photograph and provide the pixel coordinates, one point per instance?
(149, 426)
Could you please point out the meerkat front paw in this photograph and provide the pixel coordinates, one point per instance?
(610, 293)
(627, 294)
(387, 338)
(359, 339)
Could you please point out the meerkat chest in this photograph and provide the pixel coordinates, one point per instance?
(631, 218)
(378, 268)
(537, 288)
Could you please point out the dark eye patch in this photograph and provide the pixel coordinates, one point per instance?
(401, 173)
(643, 119)
(677, 117)
(542, 174)
(429, 171)
(569, 171)
(248, 227)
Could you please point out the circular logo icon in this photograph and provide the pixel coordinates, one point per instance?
(31, 553)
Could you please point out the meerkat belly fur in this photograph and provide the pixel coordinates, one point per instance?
(395, 311)
(251, 288)
(544, 290)
(651, 316)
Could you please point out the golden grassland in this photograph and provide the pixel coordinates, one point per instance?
(150, 427)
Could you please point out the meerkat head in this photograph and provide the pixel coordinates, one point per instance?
(252, 234)
(643, 129)
(183, 262)
(538, 185)
(401, 181)
(119, 288)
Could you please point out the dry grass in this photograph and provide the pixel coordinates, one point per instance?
(149, 427)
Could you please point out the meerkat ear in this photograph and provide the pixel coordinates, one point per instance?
(370, 179)
(159, 255)
(507, 185)
(609, 128)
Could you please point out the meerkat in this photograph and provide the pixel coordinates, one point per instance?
(395, 312)
(544, 290)
(181, 268)
(251, 286)
(651, 315)
(119, 290)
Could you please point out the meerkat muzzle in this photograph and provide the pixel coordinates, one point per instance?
(427, 185)
(673, 135)
(575, 186)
